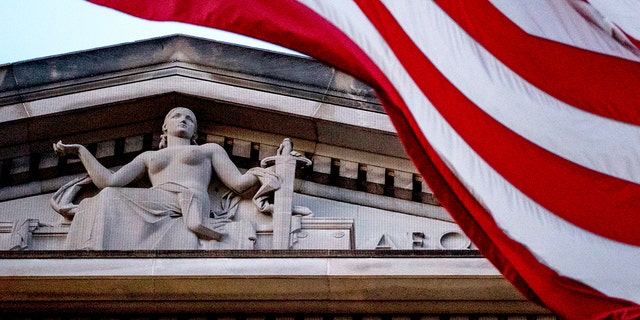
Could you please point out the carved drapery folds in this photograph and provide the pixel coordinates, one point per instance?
(272, 213)
(16, 235)
(65, 200)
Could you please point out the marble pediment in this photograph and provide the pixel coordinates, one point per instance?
(362, 190)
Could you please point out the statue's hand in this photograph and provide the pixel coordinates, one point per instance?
(64, 149)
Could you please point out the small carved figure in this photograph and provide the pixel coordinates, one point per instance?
(176, 212)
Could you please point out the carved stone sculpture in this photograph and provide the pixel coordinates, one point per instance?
(193, 197)
(285, 165)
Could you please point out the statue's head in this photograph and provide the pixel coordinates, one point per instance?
(179, 114)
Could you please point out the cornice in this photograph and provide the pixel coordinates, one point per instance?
(263, 70)
(282, 285)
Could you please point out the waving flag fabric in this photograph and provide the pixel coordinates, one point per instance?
(619, 18)
(523, 116)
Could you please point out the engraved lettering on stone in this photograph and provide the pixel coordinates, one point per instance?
(418, 240)
(385, 243)
(454, 240)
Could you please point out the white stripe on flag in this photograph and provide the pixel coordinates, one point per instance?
(558, 21)
(570, 251)
(512, 101)
(623, 13)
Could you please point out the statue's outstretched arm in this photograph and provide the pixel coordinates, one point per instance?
(228, 172)
(101, 176)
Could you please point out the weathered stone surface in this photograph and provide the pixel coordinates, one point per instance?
(288, 71)
(298, 285)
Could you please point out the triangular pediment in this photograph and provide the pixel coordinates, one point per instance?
(113, 100)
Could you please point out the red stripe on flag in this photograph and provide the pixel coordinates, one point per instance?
(636, 42)
(566, 296)
(578, 77)
(553, 182)
(298, 28)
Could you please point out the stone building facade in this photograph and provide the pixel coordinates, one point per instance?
(377, 244)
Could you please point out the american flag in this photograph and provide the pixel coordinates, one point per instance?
(522, 115)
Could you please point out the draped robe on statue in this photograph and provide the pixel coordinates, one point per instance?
(122, 218)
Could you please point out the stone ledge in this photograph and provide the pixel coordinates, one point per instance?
(318, 285)
(303, 264)
(244, 254)
(283, 310)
